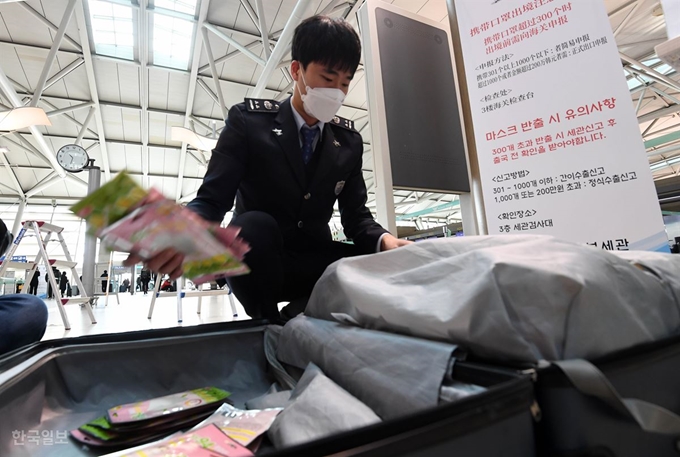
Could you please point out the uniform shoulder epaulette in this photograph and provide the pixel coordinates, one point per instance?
(259, 105)
(344, 123)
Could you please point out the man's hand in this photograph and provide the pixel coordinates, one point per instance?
(391, 242)
(168, 261)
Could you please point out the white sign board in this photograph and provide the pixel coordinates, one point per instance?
(42, 284)
(558, 143)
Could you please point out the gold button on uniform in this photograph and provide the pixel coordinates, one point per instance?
(308, 196)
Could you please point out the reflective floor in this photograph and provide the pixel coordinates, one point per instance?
(131, 314)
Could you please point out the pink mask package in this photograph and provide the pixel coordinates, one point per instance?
(243, 426)
(129, 219)
(179, 403)
(207, 441)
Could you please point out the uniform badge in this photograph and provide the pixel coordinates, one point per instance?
(278, 132)
(336, 143)
(344, 123)
(257, 105)
(338, 187)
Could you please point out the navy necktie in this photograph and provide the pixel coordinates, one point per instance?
(308, 137)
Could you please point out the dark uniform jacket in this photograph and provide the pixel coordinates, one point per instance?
(258, 160)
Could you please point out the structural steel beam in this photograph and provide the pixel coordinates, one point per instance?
(144, 89)
(658, 114)
(66, 116)
(63, 73)
(229, 56)
(352, 12)
(213, 70)
(208, 91)
(92, 84)
(27, 146)
(12, 176)
(234, 43)
(69, 109)
(640, 100)
(283, 93)
(53, 27)
(51, 56)
(263, 28)
(111, 141)
(661, 140)
(48, 181)
(88, 119)
(83, 183)
(330, 8)
(26, 93)
(665, 94)
(45, 150)
(628, 17)
(664, 151)
(622, 7)
(282, 46)
(193, 80)
(651, 72)
(251, 13)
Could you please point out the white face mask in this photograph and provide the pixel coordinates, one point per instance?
(320, 102)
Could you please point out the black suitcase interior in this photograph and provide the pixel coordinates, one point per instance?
(577, 425)
(56, 386)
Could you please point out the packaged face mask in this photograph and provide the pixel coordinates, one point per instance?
(129, 219)
(138, 432)
(112, 202)
(114, 443)
(162, 224)
(180, 404)
(243, 426)
(207, 441)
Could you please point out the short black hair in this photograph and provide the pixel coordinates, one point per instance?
(327, 41)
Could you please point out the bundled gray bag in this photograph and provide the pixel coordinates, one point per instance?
(317, 408)
(514, 298)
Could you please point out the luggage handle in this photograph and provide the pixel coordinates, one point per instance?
(589, 380)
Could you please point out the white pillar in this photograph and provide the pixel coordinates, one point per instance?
(95, 176)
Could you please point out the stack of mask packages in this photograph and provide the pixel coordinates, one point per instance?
(127, 218)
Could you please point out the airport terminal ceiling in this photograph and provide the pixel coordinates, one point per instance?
(140, 67)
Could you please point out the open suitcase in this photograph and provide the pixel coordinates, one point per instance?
(52, 387)
(521, 300)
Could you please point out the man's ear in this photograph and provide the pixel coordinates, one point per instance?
(295, 68)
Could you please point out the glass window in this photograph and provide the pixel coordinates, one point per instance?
(112, 29)
(172, 41)
(181, 6)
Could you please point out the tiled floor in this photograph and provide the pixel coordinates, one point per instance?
(131, 314)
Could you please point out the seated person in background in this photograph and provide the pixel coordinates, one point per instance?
(166, 286)
(23, 318)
